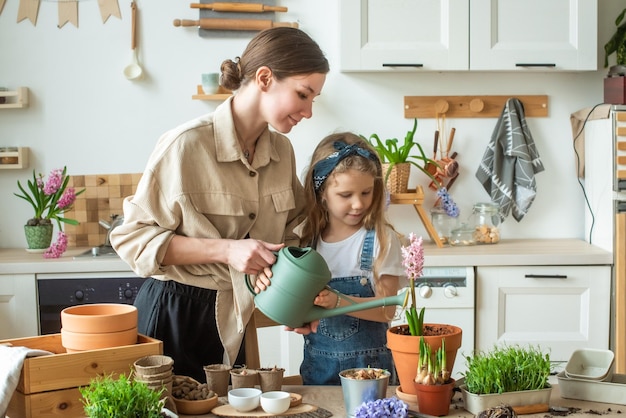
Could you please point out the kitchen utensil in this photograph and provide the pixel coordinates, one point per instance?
(298, 275)
(431, 168)
(233, 24)
(133, 71)
(238, 7)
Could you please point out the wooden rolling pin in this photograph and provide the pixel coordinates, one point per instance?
(233, 24)
(238, 7)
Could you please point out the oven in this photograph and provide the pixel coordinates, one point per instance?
(56, 292)
(448, 295)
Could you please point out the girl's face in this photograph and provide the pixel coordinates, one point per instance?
(348, 197)
(290, 100)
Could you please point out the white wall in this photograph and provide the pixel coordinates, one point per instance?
(85, 114)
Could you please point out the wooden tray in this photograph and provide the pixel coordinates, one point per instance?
(229, 411)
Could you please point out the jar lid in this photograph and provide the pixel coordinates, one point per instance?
(484, 206)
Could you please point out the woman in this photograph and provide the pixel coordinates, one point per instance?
(219, 195)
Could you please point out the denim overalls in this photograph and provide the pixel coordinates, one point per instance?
(344, 342)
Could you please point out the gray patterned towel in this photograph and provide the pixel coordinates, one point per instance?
(507, 170)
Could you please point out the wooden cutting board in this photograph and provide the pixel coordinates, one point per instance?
(229, 411)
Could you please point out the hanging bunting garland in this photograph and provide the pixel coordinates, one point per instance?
(68, 12)
(67, 9)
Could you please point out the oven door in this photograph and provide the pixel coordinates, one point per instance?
(56, 292)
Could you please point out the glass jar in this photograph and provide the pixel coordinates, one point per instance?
(486, 218)
(463, 235)
(443, 224)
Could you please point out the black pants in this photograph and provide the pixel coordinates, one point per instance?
(183, 317)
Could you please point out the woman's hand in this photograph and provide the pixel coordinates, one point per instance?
(251, 256)
(263, 280)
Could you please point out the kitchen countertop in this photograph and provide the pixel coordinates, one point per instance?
(505, 253)
(331, 399)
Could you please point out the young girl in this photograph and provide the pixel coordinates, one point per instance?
(346, 224)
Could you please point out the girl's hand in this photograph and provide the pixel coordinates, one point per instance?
(306, 329)
(326, 299)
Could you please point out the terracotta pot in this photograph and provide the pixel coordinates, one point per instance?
(99, 317)
(405, 349)
(81, 341)
(434, 399)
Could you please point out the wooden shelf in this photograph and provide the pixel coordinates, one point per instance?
(222, 94)
(14, 99)
(16, 160)
(415, 197)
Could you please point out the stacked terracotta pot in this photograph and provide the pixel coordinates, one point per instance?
(96, 326)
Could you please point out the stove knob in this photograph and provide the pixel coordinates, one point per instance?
(449, 290)
(79, 295)
(128, 293)
(425, 291)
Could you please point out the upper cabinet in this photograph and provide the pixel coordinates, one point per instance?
(460, 35)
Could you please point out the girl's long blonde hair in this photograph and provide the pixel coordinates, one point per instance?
(317, 216)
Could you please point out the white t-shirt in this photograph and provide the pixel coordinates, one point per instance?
(344, 257)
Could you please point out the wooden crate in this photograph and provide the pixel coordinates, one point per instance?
(48, 385)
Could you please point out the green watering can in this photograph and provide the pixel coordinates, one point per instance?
(298, 275)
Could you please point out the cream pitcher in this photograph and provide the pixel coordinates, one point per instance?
(298, 275)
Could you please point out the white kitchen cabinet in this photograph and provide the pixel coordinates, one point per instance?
(558, 308)
(18, 306)
(540, 34)
(457, 35)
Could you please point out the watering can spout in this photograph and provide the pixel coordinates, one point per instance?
(317, 312)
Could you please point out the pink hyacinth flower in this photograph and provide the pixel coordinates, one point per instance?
(54, 182)
(68, 197)
(413, 257)
(57, 248)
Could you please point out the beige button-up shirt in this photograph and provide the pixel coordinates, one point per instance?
(197, 183)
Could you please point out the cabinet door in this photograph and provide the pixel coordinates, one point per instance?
(18, 306)
(392, 35)
(541, 34)
(560, 308)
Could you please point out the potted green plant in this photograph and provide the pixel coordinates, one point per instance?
(506, 375)
(617, 44)
(404, 340)
(433, 383)
(122, 397)
(397, 159)
(50, 199)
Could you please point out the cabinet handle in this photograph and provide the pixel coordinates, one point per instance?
(534, 65)
(403, 65)
(545, 276)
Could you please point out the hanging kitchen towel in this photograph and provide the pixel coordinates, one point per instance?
(11, 361)
(578, 120)
(507, 170)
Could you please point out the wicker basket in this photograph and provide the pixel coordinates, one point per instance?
(398, 180)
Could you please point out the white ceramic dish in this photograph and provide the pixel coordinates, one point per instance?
(244, 399)
(275, 402)
(613, 391)
(591, 364)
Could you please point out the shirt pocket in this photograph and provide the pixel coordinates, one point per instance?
(284, 200)
(218, 204)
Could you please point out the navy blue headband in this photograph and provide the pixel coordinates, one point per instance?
(323, 168)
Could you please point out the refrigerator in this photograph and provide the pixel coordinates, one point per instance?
(604, 187)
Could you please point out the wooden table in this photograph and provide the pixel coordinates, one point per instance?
(331, 399)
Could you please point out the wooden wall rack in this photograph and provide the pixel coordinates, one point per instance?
(14, 99)
(222, 94)
(426, 107)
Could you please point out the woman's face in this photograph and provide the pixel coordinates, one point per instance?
(349, 197)
(288, 101)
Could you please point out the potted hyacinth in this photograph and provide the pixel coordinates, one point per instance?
(404, 340)
(50, 199)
